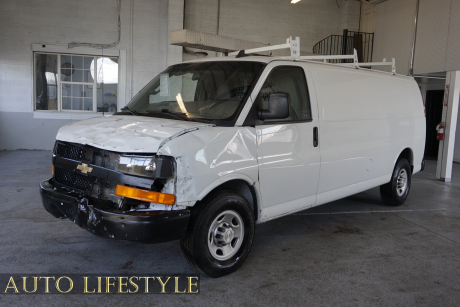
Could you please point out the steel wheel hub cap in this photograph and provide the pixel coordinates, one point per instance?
(228, 235)
(401, 183)
(225, 235)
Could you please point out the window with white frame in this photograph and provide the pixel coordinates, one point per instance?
(80, 83)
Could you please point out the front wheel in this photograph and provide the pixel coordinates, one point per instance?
(220, 234)
(395, 192)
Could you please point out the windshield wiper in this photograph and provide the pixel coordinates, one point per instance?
(129, 110)
(177, 115)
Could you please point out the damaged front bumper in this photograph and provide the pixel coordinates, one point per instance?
(162, 226)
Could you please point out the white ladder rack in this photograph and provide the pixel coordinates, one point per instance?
(294, 46)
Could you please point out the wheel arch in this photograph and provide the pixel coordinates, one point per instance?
(244, 187)
(408, 154)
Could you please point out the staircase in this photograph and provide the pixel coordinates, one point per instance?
(344, 44)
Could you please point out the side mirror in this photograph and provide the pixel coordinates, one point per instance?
(278, 107)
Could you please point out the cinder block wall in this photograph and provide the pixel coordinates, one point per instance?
(25, 22)
(272, 21)
(350, 12)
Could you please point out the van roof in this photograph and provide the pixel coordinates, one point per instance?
(268, 59)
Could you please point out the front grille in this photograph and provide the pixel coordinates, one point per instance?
(70, 151)
(74, 180)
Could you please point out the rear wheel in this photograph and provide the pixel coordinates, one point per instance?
(220, 234)
(395, 192)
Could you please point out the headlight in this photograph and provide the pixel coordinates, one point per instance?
(157, 167)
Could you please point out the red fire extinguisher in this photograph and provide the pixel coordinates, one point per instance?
(440, 129)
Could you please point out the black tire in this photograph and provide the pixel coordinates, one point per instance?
(392, 193)
(194, 245)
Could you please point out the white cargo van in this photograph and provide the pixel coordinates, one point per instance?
(211, 147)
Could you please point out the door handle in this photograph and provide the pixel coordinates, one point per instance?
(315, 137)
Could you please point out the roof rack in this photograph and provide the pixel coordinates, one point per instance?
(294, 46)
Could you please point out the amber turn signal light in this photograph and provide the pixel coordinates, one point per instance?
(52, 169)
(144, 195)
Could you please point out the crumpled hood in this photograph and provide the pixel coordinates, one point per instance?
(126, 133)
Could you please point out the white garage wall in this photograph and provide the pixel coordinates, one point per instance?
(394, 31)
(432, 36)
(25, 22)
(457, 142)
(453, 41)
(272, 21)
(438, 38)
(59, 22)
(438, 35)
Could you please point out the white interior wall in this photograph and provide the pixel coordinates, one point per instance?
(438, 39)
(432, 36)
(349, 15)
(175, 22)
(272, 21)
(61, 22)
(367, 20)
(150, 41)
(453, 40)
(394, 31)
(25, 22)
(457, 142)
(438, 35)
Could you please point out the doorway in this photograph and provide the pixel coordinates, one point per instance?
(433, 106)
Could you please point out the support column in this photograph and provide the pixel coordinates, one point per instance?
(449, 118)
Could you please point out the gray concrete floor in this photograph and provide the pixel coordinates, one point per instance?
(352, 252)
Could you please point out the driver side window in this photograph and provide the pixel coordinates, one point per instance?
(290, 80)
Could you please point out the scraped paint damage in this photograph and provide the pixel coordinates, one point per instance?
(206, 156)
(209, 157)
(133, 134)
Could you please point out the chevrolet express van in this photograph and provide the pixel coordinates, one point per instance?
(211, 147)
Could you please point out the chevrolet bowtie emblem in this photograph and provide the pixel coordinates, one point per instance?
(84, 168)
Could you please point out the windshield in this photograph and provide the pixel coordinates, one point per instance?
(198, 91)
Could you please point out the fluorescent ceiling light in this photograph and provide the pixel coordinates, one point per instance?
(294, 1)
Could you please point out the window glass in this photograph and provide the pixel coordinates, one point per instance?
(290, 80)
(107, 84)
(77, 62)
(71, 81)
(46, 82)
(77, 75)
(208, 90)
(77, 83)
(76, 68)
(81, 97)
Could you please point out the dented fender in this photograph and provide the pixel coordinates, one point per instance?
(206, 158)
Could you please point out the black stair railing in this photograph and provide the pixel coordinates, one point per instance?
(345, 44)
